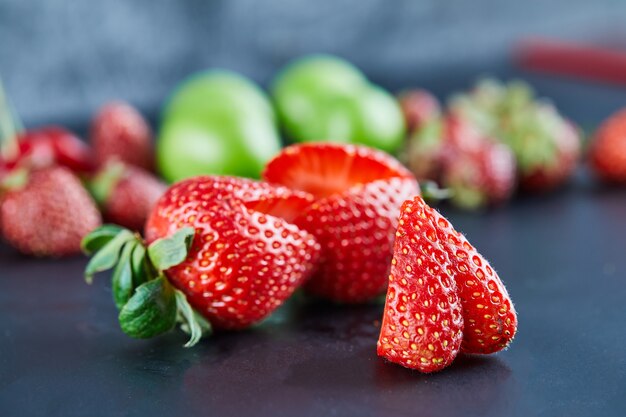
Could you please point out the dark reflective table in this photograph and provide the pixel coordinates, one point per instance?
(563, 258)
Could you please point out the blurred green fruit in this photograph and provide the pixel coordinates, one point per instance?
(216, 122)
(326, 98)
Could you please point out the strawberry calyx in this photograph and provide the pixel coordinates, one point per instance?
(105, 181)
(148, 304)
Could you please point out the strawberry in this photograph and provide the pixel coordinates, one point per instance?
(358, 192)
(38, 148)
(477, 170)
(422, 326)
(55, 145)
(218, 249)
(559, 162)
(48, 213)
(546, 145)
(479, 174)
(434, 265)
(119, 131)
(607, 152)
(490, 318)
(126, 194)
(418, 107)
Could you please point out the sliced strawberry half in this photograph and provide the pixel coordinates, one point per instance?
(422, 325)
(358, 192)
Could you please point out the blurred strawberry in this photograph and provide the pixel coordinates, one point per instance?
(51, 145)
(47, 212)
(478, 170)
(547, 149)
(126, 194)
(546, 145)
(120, 131)
(419, 107)
(481, 176)
(607, 153)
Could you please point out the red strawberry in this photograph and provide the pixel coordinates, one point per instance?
(358, 193)
(244, 262)
(49, 214)
(484, 175)
(246, 257)
(478, 170)
(220, 249)
(490, 318)
(419, 107)
(607, 153)
(126, 194)
(555, 171)
(119, 131)
(422, 325)
(51, 145)
(434, 263)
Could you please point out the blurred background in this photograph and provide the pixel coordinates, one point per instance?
(61, 59)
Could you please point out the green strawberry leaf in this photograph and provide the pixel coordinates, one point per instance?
(122, 281)
(138, 263)
(99, 237)
(150, 311)
(192, 323)
(107, 257)
(167, 252)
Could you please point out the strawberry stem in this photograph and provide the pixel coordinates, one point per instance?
(10, 126)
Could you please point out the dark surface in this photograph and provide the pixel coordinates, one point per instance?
(562, 258)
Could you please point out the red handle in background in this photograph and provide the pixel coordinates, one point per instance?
(573, 59)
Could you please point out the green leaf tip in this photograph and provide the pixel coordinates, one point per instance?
(150, 311)
(192, 323)
(108, 250)
(170, 251)
(99, 237)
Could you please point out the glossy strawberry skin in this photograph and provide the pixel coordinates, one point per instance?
(422, 324)
(244, 261)
(607, 153)
(132, 198)
(358, 195)
(120, 132)
(490, 317)
(50, 145)
(50, 215)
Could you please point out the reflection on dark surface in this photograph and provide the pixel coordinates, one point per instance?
(62, 353)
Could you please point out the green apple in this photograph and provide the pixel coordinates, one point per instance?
(325, 98)
(216, 122)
